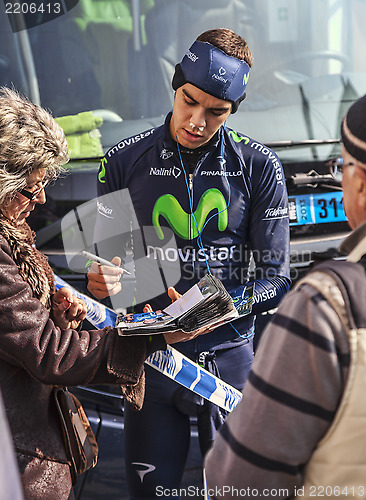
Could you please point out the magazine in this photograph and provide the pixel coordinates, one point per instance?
(206, 304)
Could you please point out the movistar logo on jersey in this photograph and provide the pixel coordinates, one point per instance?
(101, 175)
(266, 295)
(189, 225)
(238, 138)
(128, 142)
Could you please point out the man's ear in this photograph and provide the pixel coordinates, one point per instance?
(361, 187)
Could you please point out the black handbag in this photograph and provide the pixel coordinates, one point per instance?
(80, 443)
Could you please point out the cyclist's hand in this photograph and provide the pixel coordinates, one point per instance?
(104, 281)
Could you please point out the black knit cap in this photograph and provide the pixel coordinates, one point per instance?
(353, 130)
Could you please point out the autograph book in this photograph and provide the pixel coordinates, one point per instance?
(205, 304)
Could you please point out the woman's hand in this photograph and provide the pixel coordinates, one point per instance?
(67, 310)
(104, 281)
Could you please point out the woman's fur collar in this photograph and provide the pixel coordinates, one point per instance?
(33, 265)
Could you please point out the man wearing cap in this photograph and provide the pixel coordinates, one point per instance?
(224, 196)
(298, 430)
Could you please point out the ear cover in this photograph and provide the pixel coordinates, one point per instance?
(178, 78)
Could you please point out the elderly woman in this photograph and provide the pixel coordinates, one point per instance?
(39, 346)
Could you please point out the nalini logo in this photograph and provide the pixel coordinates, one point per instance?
(220, 76)
(176, 172)
(166, 172)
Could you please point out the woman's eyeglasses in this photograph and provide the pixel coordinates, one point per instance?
(31, 195)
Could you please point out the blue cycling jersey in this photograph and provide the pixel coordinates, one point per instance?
(227, 212)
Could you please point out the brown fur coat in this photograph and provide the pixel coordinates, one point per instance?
(35, 355)
(33, 265)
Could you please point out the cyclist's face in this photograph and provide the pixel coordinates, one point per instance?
(19, 207)
(197, 116)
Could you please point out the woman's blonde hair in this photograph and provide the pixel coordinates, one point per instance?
(30, 139)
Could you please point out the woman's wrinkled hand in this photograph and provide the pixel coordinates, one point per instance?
(104, 281)
(67, 309)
